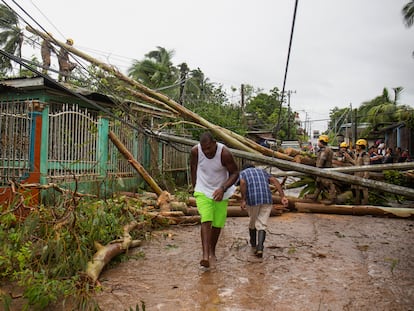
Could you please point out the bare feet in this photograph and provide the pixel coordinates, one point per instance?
(213, 261)
(205, 263)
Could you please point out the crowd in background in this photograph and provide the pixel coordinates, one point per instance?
(379, 153)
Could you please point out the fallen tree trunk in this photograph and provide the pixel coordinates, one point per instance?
(353, 169)
(327, 173)
(232, 139)
(236, 211)
(140, 169)
(105, 253)
(358, 210)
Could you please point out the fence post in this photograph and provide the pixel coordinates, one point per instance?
(44, 146)
(102, 154)
(146, 152)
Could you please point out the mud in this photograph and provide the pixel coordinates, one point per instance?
(311, 262)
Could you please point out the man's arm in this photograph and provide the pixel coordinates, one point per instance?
(228, 162)
(193, 165)
(349, 158)
(279, 189)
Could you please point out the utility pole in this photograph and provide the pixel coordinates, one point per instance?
(289, 92)
(355, 125)
(242, 97)
(353, 133)
(243, 117)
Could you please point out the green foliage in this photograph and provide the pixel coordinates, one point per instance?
(47, 256)
(393, 263)
(137, 307)
(393, 177)
(408, 13)
(307, 183)
(157, 71)
(11, 36)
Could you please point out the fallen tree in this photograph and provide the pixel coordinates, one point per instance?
(135, 164)
(310, 170)
(153, 97)
(359, 210)
(105, 253)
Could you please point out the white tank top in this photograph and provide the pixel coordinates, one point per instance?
(211, 174)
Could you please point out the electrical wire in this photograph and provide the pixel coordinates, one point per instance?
(86, 77)
(277, 127)
(83, 98)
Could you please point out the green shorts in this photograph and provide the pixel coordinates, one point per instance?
(210, 210)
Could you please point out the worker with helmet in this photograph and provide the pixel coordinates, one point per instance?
(361, 158)
(45, 50)
(345, 156)
(65, 66)
(324, 159)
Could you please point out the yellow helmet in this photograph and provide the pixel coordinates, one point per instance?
(343, 145)
(362, 142)
(324, 138)
(69, 41)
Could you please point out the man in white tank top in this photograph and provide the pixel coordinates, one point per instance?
(213, 173)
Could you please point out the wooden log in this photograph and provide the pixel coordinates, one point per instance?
(163, 201)
(305, 160)
(194, 219)
(357, 210)
(236, 211)
(353, 169)
(105, 253)
(327, 173)
(178, 206)
(292, 152)
(135, 164)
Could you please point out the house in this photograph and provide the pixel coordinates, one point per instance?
(57, 134)
(398, 135)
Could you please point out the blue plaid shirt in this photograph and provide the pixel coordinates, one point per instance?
(257, 182)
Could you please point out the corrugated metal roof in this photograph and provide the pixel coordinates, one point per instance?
(34, 83)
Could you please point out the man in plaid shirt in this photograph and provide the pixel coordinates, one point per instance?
(257, 198)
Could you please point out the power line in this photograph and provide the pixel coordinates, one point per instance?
(287, 65)
(46, 77)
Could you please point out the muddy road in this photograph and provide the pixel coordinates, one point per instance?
(311, 262)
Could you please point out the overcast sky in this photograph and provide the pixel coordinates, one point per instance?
(343, 52)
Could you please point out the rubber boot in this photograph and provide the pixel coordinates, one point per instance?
(253, 238)
(261, 236)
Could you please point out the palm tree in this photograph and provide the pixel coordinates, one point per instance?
(11, 37)
(385, 108)
(364, 111)
(156, 71)
(408, 13)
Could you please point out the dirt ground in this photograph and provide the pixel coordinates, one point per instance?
(311, 262)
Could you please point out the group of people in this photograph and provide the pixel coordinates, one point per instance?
(214, 174)
(325, 156)
(378, 154)
(362, 155)
(65, 66)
